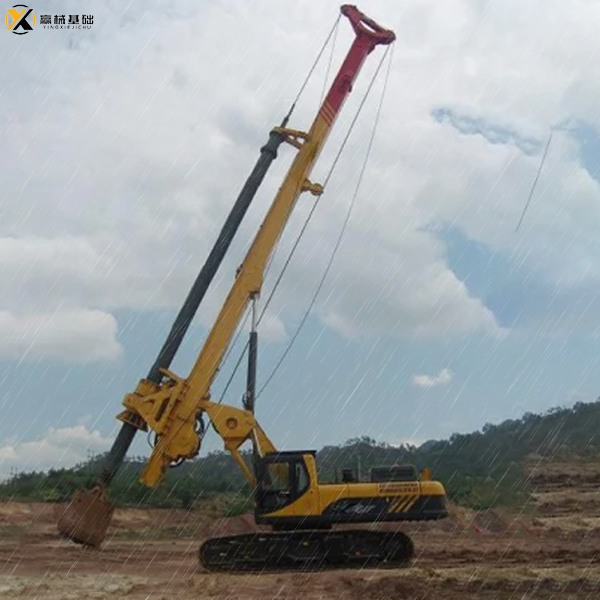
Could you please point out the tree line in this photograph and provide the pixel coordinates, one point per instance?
(482, 469)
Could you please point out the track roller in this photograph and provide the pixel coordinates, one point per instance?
(301, 549)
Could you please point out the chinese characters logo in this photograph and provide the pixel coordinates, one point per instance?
(20, 19)
(61, 22)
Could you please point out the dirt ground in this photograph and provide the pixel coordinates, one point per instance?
(550, 550)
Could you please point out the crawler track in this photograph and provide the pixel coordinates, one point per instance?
(320, 550)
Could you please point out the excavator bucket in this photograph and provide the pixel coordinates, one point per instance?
(86, 518)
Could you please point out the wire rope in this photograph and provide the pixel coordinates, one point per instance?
(340, 236)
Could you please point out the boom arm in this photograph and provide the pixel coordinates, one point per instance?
(171, 409)
(114, 458)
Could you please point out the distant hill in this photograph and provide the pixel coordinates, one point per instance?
(480, 469)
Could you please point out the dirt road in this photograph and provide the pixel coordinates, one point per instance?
(152, 555)
(553, 552)
(471, 566)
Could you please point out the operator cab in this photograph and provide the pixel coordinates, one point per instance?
(281, 479)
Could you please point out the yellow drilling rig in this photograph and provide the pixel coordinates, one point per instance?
(302, 512)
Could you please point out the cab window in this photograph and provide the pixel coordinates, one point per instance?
(302, 482)
(277, 477)
(282, 482)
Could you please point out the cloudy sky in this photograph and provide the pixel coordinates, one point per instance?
(124, 146)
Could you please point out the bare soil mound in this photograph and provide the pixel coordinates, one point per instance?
(565, 498)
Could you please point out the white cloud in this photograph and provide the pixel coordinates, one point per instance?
(378, 289)
(52, 272)
(443, 378)
(119, 178)
(78, 336)
(410, 441)
(57, 448)
(271, 329)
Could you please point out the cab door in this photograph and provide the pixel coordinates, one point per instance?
(282, 479)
